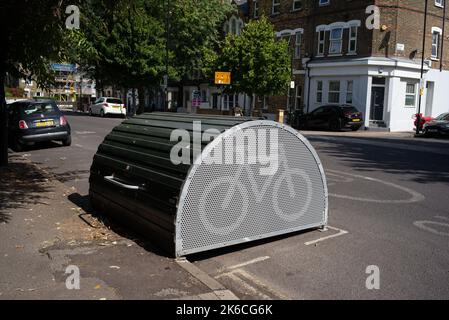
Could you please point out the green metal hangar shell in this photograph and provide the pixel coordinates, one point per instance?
(203, 205)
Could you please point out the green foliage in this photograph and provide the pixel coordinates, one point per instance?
(259, 63)
(196, 34)
(33, 35)
(122, 42)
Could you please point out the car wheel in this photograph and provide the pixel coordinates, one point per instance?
(102, 113)
(67, 142)
(17, 146)
(335, 125)
(355, 128)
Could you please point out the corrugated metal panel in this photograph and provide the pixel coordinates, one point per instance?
(181, 207)
(137, 153)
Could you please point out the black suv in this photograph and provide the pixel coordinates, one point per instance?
(33, 121)
(332, 117)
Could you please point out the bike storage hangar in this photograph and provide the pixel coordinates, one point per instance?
(194, 183)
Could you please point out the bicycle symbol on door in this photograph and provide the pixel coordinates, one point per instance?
(237, 190)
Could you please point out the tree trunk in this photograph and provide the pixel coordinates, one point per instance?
(251, 102)
(141, 92)
(3, 123)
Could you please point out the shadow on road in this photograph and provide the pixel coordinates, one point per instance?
(21, 185)
(414, 165)
(92, 216)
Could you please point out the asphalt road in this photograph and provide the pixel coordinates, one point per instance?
(389, 208)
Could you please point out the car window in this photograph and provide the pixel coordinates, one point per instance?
(317, 111)
(37, 108)
(116, 101)
(348, 109)
(444, 116)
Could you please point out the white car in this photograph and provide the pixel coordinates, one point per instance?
(105, 105)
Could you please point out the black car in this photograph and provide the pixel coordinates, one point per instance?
(332, 117)
(34, 121)
(438, 126)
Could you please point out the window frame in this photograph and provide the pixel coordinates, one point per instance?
(354, 39)
(294, 3)
(275, 7)
(437, 45)
(255, 9)
(298, 52)
(319, 91)
(336, 40)
(408, 95)
(331, 92)
(350, 92)
(321, 42)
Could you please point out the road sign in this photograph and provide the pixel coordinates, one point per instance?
(223, 78)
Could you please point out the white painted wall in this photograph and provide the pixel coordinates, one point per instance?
(441, 91)
(401, 116)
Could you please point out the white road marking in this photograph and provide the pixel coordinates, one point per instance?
(340, 233)
(415, 196)
(260, 259)
(424, 225)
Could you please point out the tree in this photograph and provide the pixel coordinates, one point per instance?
(126, 42)
(32, 34)
(196, 36)
(260, 65)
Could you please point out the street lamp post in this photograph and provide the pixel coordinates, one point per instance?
(423, 54)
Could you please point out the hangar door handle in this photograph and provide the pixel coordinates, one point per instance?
(121, 184)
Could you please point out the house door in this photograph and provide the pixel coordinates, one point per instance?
(377, 103)
(429, 99)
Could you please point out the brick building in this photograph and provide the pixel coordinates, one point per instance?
(341, 56)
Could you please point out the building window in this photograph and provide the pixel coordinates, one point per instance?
(297, 5)
(334, 92)
(436, 36)
(298, 40)
(349, 91)
(323, 2)
(255, 9)
(298, 97)
(335, 41)
(276, 7)
(439, 3)
(352, 40)
(410, 94)
(321, 39)
(319, 91)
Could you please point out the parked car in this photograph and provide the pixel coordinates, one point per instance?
(107, 106)
(438, 126)
(423, 120)
(32, 121)
(332, 117)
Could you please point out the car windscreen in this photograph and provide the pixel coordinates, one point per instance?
(349, 109)
(115, 101)
(444, 117)
(37, 109)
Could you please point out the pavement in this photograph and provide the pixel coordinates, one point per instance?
(388, 211)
